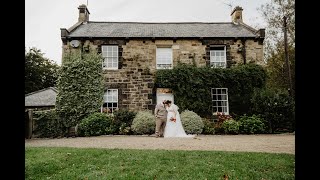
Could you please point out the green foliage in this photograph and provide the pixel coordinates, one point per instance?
(277, 69)
(47, 124)
(192, 123)
(192, 86)
(39, 72)
(231, 126)
(143, 123)
(80, 87)
(208, 127)
(275, 106)
(95, 124)
(123, 120)
(219, 119)
(251, 124)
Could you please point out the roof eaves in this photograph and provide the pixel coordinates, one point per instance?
(248, 27)
(72, 28)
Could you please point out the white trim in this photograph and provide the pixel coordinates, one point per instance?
(221, 61)
(226, 101)
(114, 51)
(170, 55)
(109, 99)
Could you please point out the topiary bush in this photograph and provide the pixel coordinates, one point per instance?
(251, 124)
(230, 126)
(95, 124)
(47, 124)
(208, 127)
(123, 120)
(80, 87)
(143, 123)
(192, 122)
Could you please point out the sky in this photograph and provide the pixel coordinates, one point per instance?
(44, 18)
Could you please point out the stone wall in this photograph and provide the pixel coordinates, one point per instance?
(137, 64)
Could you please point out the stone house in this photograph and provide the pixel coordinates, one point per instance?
(134, 51)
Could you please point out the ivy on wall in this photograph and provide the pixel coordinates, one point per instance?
(80, 86)
(192, 86)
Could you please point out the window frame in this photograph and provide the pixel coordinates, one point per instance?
(215, 104)
(212, 62)
(105, 100)
(171, 58)
(105, 58)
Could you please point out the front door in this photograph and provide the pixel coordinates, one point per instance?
(164, 94)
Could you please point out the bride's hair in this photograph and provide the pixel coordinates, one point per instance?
(168, 102)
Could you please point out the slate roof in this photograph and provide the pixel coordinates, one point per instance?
(44, 97)
(140, 29)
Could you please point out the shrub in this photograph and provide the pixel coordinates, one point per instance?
(208, 127)
(230, 126)
(47, 124)
(276, 107)
(80, 87)
(220, 118)
(143, 123)
(123, 120)
(95, 124)
(192, 122)
(251, 124)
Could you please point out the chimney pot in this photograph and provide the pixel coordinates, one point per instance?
(83, 13)
(236, 14)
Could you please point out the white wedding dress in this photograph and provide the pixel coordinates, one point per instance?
(174, 129)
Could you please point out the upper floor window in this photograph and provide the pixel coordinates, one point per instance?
(110, 56)
(218, 58)
(110, 100)
(220, 100)
(164, 58)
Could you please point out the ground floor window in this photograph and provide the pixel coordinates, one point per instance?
(164, 94)
(220, 100)
(110, 101)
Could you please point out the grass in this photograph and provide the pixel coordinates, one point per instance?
(75, 163)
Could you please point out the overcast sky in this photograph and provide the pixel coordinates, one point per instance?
(44, 18)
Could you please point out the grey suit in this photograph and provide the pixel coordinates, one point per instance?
(160, 113)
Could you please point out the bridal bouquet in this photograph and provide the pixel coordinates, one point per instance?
(173, 119)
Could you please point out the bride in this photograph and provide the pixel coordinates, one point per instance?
(174, 126)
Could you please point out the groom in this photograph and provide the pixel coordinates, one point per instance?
(160, 113)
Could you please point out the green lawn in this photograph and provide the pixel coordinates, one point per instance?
(74, 163)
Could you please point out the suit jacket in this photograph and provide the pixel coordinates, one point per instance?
(160, 111)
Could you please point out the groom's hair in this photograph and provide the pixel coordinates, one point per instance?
(168, 102)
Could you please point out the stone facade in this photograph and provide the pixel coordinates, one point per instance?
(137, 63)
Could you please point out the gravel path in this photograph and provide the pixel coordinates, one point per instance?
(275, 143)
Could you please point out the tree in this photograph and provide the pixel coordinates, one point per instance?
(80, 87)
(273, 13)
(40, 72)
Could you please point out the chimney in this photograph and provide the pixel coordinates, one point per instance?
(83, 13)
(236, 14)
